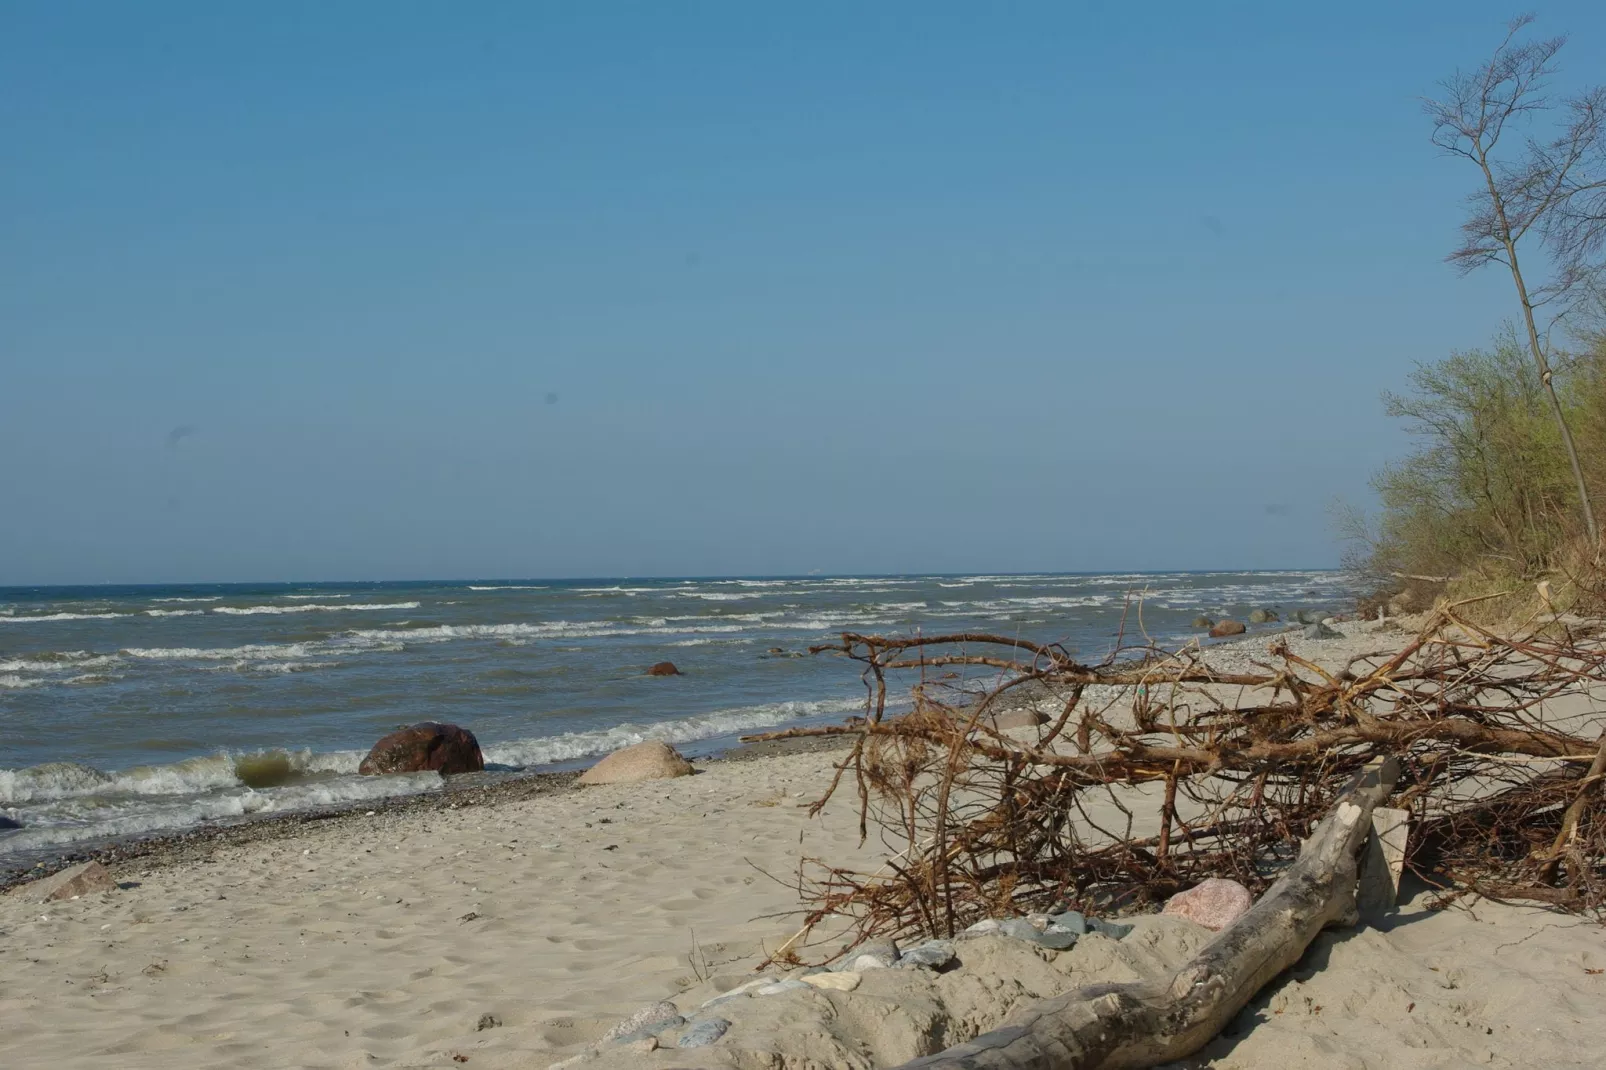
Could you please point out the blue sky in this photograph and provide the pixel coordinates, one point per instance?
(400, 290)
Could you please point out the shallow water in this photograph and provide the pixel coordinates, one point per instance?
(130, 709)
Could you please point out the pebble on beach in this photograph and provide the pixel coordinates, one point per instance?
(703, 1033)
(1214, 903)
(650, 1019)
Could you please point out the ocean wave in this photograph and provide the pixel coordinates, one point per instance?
(13, 682)
(250, 651)
(174, 612)
(326, 594)
(720, 596)
(545, 751)
(213, 598)
(47, 617)
(58, 661)
(508, 587)
(71, 780)
(249, 611)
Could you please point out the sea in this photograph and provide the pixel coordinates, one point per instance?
(138, 709)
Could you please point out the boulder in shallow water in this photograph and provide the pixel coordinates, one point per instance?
(1214, 903)
(1227, 627)
(1262, 616)
(8, 823)
(1203, 622)
(664, 668)
(76, 881)
(652, 760)
(418, 748)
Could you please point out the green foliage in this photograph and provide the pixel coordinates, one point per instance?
(1487, 493)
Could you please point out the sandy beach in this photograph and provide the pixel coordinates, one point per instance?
(514, 932)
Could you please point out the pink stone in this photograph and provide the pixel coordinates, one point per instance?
(1213, 903)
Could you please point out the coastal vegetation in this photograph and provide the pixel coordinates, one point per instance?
(1498, 493)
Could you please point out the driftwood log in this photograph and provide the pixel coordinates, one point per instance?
(1142, 1024)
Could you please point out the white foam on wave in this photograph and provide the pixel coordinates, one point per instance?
(13, 682)
(174, 612)
(250, 651)
(72, 821)
(545, 751)
(311, 607)
(326, 594)
(720, 596)
(44, 618)
(214, 598)
(212, 772)
(509, 587)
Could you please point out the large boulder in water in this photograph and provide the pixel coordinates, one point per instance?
(664, 668)
(652, 760)
(1226, 627)
(419, 748)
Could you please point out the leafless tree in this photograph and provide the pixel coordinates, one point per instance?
(1553, 191)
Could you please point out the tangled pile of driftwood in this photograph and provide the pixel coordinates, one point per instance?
(1154, 771)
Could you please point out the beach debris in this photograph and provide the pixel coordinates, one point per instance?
(652, 760)
(1227, 627)
(1155, 1021)
(1262, 616)
(649, 1020)
(428, 745)
(70, 883)
(487, 1021)
(986, 826)
(845, 981)
(1214, 903)
(931, 955)
(664, 668)
(703, 1033)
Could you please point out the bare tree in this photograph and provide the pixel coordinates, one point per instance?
(1554, 191)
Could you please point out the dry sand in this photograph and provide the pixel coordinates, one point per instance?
(384, 940)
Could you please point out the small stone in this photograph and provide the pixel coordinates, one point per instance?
(933, 954)
(1115, 930)
(76, 881)
(1057, 941)
(1020, 929)
(1003, 722)
(1227, 627)
(836, 982)
(1039, 922)
(1214, 903)
(1320, 630)
(986, 925)
(1071, 921)
(788, 985)
(703, 1033)
(650, 1019)
(487, 1021)
(870, 955)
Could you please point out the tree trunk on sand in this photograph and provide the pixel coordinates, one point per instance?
(1141, 1024)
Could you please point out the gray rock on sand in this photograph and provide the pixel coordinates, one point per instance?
(1214, 903)
(79, 880)
(870, 955)
(653, 1018)
(652, 760)
(701, 1034)
(986, 925)
(931, 955)
(1321, 631)
(1057, 941)
(1071, 921)
(1115, 930)
(1018, 719)
(788, 985)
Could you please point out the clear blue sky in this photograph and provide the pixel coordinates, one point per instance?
(395, 290)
